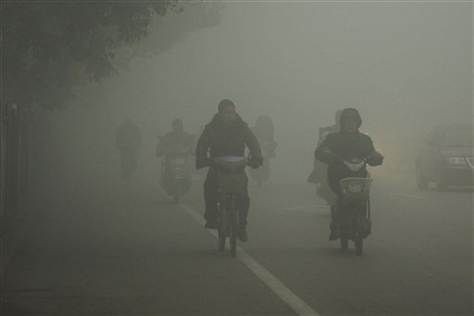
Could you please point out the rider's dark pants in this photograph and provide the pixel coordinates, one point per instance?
(211, 197)
(335, 207)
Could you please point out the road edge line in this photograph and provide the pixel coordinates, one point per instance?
(299, 306)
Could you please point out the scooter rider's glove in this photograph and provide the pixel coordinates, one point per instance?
(255, 162)
(375, 159)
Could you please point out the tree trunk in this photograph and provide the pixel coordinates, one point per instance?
(12, 161)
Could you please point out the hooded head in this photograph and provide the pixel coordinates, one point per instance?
(350, 120)
(226, 111)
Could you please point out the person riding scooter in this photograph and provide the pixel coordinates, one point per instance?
(176, 148)
(349, 143)
(319, 174)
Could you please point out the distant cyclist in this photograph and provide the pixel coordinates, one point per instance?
(226, 135)
(318, 175)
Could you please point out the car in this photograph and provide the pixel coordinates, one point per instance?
(446, 158)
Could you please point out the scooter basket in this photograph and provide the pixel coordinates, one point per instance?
(355, 189)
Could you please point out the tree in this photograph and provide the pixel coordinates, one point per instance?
(49, 47)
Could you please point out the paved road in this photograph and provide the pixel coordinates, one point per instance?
(129, 251)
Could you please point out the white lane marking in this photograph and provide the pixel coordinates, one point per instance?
(408, 196)
(272, 282)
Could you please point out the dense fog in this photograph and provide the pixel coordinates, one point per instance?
(85, 233)
(406, 67)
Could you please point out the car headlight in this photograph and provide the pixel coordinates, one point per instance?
(457, 161)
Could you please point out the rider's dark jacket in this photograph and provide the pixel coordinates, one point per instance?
(346, 146)
(227, 139)
(169, 142)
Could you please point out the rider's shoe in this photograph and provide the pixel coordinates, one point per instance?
(243, 233)
(211, 224)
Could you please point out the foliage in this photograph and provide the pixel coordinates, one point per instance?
(49, 47)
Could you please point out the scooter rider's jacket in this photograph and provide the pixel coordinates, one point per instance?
(341, 145)
(173, 141)
(223, 139)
